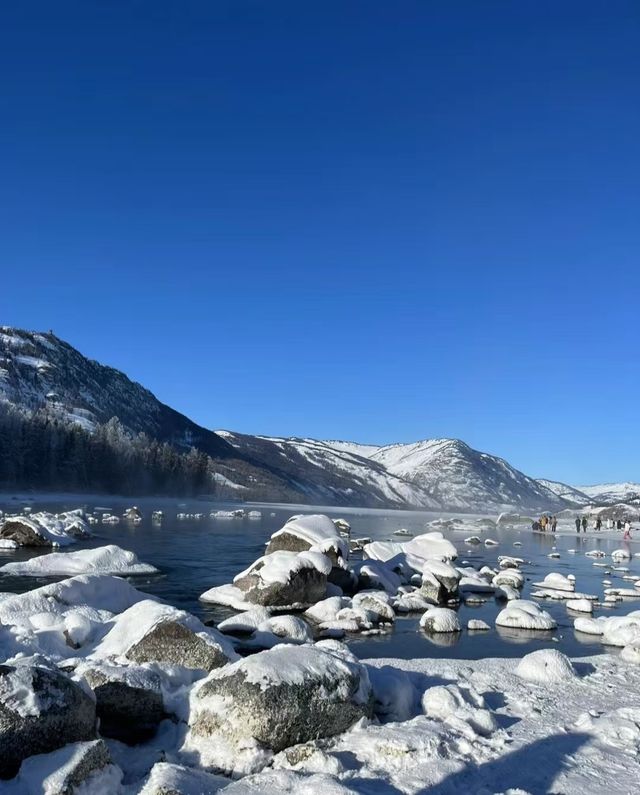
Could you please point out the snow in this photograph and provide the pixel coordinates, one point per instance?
(523, 614)
(316, 530)
(544, 666)
(440, 619)
(580, 605)
(109, 559)
(280, 566)
(171, 778)
(557, 582)
(58, 530)
(17, 693)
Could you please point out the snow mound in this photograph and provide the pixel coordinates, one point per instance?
(440, 619)
(545, 666)
(580, 605)
(279, 567)
(523, 614)
(109, 559)
(428, 546)
(557, 582)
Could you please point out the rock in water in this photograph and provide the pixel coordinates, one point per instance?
(40, 710)
(285, 579)
(245, 712)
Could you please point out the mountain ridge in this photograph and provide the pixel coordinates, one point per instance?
(43, 376)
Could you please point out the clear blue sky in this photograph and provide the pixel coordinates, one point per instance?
(378, 221)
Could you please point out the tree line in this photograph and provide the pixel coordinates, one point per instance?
(39, 450)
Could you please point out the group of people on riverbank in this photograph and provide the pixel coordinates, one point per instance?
(548, 523)
(545, 523)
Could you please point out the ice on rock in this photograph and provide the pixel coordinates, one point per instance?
(428, 547)
(45, 529)
(590, 626)
(523, 614)
(621, 554)
(631, 653)
(445, 573)
(545, 666)
(109, 559)
(411, 602)
(440, 619)
(376, 602)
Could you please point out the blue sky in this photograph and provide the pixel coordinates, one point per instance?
(365, 220)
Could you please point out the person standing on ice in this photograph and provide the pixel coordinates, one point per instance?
(554, 523)
(598, 524)
(584, 524)
(577, 524)
(627, 529)
(609, 524)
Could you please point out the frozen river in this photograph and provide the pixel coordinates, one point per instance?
(194, 555)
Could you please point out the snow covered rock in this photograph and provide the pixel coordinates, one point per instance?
(523, 614)
(109, 559)
(41, 709)
(461, 708)
(580, 605)
(621, 554)
(45, 529)
(590, 626)
(258, 629)
(128, 700)
(448, 576)
(631, 653)
(373, 574)
(545, 666)
(440, 619)
(477, 625)
(557, 582)
(622, 630)
(171, 779)
(313, 531)
(512, 577)
(285, 579)
(152, 632)
(395, 695)
(243, 713)
(428, 546)
(78, 767)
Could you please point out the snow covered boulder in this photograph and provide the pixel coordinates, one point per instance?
(631, 653)
(109, 559)
(285, 579)
(440, 619)
(244, 713)
(428, 546)
(45, 529)
(395, 695)
(128, 700)
(78, 767)
(523, 614)
(580, 605)
(309, 532)
(151, 632)
(376, 575)
(512, 577)
(40, 710)
(622, 630)
(545, 666)
(446, 575)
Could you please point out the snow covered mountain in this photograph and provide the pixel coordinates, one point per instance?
(569, 493)
(612, 493)
(443, 474)
(42, 376)
(41, 372)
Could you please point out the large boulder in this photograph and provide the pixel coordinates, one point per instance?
(309, 532)
(151, 632)
(285, 579)
(128, 701)
(242, 714)
(40, 710)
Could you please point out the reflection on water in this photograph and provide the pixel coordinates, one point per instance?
(195, 555)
